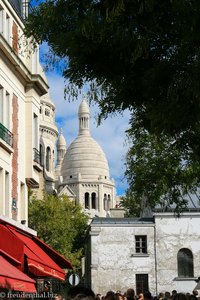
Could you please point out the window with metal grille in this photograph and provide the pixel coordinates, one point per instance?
(142, 283)
(141, 244)
(185, 263)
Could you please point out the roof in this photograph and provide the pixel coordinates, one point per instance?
(122, 221)
(193, 203)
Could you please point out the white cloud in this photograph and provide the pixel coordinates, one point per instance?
(110, 134)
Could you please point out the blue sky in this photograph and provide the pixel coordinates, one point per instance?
(110, 134)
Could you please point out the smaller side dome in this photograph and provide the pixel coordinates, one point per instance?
(61, 140)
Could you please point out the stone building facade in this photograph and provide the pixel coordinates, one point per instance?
(22, 83)
(25, 260)
(157, 254)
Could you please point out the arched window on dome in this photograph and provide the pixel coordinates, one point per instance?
(48, 158)
(185, 263)
(105, 202)
(87, 206)
(109, 202)
(94, 201)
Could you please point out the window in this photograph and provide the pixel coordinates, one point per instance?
(23, 201)
(185, 263)
(2, 197)
(47, 112)
(7, 111)
(35, 131)
(14, 204)
(41, 155)
(7, 28)
(1, 104)
(105, 202)
(7, 208)
(142, 284)
(4, 108)
(48, 157)
(109, 202)
(87, 200)
(1, 19)
(141, 244)
(94, 200)
(53, 114)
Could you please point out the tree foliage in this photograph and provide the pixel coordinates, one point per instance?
(131, 207)
(160, 172)
(141, 55)
(61, 224)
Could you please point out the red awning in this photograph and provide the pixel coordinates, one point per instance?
(13, 279)
(11, 247)
(39, 262)
(59, 259)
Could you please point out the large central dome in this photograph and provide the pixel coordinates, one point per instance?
(84, 157)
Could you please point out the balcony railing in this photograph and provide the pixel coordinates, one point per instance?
(6, 135)
(36, 156)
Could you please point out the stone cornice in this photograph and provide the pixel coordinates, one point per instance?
(22, 72)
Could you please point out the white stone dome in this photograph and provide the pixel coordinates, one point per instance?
(85, 158)
(61, 140)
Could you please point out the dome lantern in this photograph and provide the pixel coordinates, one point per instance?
(84, 118)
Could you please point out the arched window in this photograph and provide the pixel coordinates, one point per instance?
(94, 200)
(87, 206)
(48, 157)
(105, 202)
(185, 263)
(109, 202)
(41, 155)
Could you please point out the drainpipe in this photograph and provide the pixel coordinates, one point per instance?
(155, 255)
